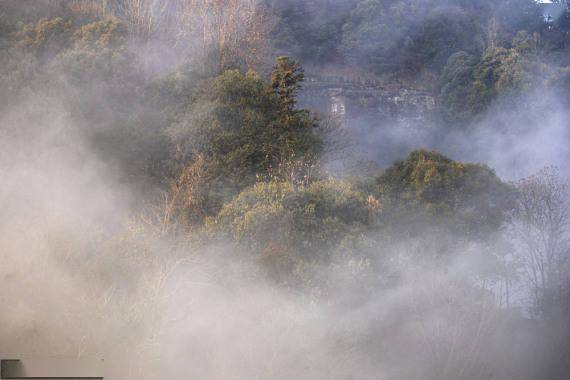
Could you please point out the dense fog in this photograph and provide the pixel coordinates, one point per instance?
(170, 209)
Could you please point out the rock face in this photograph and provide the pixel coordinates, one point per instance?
(349, 101)
(379, 124)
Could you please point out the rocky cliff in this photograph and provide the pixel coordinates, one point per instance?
(350, 100)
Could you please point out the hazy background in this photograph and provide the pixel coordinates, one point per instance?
(125, 234)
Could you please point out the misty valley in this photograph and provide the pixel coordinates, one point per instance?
(285, 189)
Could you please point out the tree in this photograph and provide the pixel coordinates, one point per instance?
(445, 31)
(286, 81)
(500, 72)
(455, 86)
(469, 198)
(541, 230)
(142, 17)
(242, 129)
(541, 224)
(374, 33)
(229, 34)
(45, 38)
(309, 30)
(287, 226)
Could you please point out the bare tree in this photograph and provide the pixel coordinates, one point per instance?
(142, 17)
(540, 225)
(183, 206)
(229, 32)
(219, 33)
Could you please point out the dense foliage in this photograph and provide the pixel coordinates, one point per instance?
(474, 199)
(305, 222)
(243, 128)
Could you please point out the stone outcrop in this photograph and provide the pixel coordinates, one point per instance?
(349, 100)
